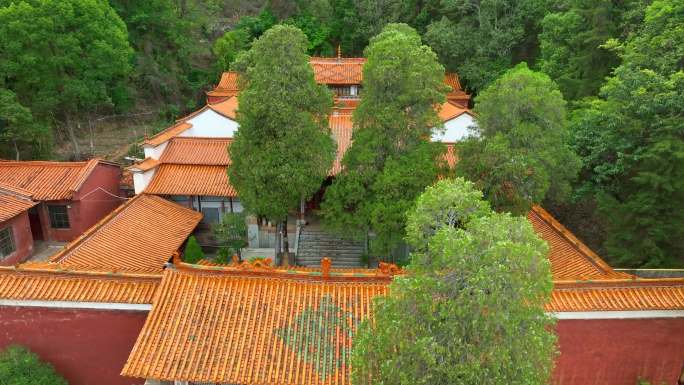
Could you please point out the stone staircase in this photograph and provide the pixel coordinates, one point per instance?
(315, 244)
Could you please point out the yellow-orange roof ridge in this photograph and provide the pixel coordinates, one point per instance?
(47, 180)
(38, 283)
(570, 258)
(167, 134)
(637, 294)
(146, 164)
(228, 85)
(448, 110)
(227, 108)
(131, 239)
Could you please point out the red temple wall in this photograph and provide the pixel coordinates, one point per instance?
(89, 205)
(23, 239)
(91, 346)
(620, 351)
(86, 347)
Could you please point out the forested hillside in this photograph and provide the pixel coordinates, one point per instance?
(84, 77)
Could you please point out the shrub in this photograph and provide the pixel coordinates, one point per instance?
(19, 366)
(193, 252)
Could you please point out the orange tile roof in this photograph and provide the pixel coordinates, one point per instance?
(12, 205)
(274, 328)
(338, 70)
(268, 326)
(333, 70)
(167, 134)
(37, 284)
(188, 179)
(227, 108)
(618, 295)
(146, 164)
(47, 180)
(449, 110)
(198, 151)
(570, 258)
(456, 94)
(341, 127)
(228, 85)
(131, 238)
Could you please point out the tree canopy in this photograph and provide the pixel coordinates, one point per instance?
(62, 58)
(392, 159)
(19, 366)
(631, 144)
(520, 153)
(470, 310)
(573, 42)
(283, 150)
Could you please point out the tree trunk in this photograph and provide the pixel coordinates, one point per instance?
(277, 243)
(72, 137)
(286, 243)
(16, 148)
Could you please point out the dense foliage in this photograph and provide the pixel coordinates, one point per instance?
(631, 143)
(520, 153)
(471, 309)
(19, 366)
(392, 159)
(573, 38)
(283, 150)
(63, 58)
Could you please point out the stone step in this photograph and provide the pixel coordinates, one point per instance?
(316, 244)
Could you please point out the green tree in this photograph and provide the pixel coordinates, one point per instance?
(19, 366)
(229, 46)
(193, 251)
(480, 40)
(20, 130)
(171, 43)
(231, 233)
(392, 159)
(283, 150)
(63, 57)
(632, 147)
(238, 40)
(521, 153)
(447, 203)
(471, 308)
(572, 42)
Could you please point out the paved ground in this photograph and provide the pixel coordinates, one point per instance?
(42, 250)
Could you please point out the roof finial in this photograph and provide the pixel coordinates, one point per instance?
(325, 267)
(339, 52)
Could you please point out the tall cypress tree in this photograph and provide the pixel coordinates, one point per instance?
(392, 158)
(283, 149)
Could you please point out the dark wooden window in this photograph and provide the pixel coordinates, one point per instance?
(7, 246)
(59, 216)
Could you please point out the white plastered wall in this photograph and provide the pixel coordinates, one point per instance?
(209, 124)
(455, 129)
(142, 178)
